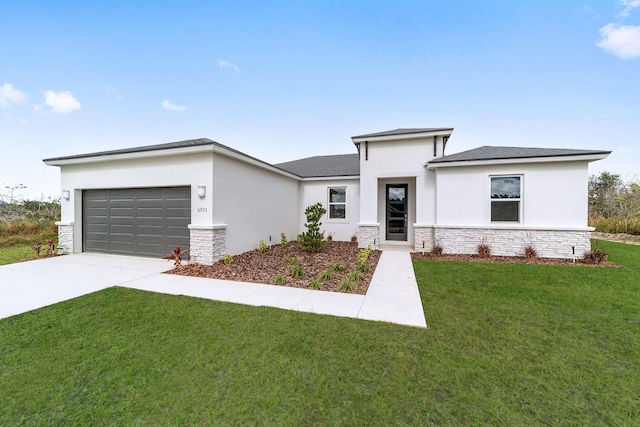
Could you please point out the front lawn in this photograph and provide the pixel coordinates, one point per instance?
(506, 345)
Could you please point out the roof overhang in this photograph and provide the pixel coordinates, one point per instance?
(401, 136)
(509, 161)
(212, 147)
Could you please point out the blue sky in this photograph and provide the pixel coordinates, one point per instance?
(284, 80)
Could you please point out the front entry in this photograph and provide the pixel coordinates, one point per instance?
(397, 212)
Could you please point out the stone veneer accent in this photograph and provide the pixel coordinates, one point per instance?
(369, 235)
(511, 242)
(208, 243)
(65, 238)
(423, 233)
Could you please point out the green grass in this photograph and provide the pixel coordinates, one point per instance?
(506, 345)
(17, 253)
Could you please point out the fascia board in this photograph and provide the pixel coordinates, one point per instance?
(408, 136)
(129, 156)
(332, 178)
(579, 158)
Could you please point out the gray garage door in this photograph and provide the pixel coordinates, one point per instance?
(136, 221)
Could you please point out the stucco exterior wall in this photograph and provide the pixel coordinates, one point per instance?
(253, 203)
(395, 162)
(312, 192)
(553, 195)
(179, 170)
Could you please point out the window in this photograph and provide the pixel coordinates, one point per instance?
(505, 198)
(337, 202)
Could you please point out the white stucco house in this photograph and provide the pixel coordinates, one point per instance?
(397, 188)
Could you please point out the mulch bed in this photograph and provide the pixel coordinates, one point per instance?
(263, 267)
(508, 260)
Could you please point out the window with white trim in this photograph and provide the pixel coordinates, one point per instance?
(506, 198)
(337, 202)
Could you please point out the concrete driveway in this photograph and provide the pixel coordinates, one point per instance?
(34, 284)
(393, 294)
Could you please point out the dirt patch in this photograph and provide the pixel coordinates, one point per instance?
(263, 267)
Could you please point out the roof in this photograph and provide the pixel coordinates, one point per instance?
(402, 131)
(488, 152)
(166, 146)
(323, 166)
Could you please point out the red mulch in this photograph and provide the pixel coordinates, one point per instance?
(508, 260)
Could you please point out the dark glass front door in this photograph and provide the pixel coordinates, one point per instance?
(397, 212)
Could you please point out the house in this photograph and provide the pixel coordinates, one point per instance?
(398, 188)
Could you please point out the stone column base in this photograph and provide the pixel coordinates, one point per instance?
(368, 235)
(208, 243)
(423, 238)
(65, 238)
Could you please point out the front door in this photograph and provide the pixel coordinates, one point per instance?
(397, 215)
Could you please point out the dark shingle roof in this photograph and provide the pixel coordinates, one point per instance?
(498, 153)
(169, 145)
(321, 166)
(402, 131)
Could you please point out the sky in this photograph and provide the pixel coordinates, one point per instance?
(283, 80)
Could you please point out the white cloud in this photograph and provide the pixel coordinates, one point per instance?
(223, 63)
(628, 6)
(11, 95)
(621, 40)
(60, 102)
(171, 107)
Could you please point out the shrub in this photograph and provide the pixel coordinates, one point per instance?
(296, 271)
(437, 249)
(363, 255)
(262, 246)
(313, 239)
(595, 256)
(177, 256)
(227, 259)
(325, 276)
(347, 285)
(290, 260)
(337, 267)
(279, 280)
(283, 240)
(530, 252)
(356, 276)
(315, 284)
(362, 268)
(616, 224)
(484, 251)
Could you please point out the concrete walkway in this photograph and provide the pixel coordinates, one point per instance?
(392, 296)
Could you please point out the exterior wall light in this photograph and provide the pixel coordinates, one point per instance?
(66, 194)
(202, 191)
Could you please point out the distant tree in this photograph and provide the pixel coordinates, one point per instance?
(609, 196)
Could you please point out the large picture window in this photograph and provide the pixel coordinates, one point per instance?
(337, 202)
(505, 198)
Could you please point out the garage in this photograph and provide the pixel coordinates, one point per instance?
(148, 222)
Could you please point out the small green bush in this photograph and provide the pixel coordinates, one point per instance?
(356, 276)
(296, 271)
(348, 286)
(315, 284)
(289, 260)
(283, 240)
(262, 246)
(362, 268)
(227, 259)
(337, 267)
(363, 255)
(325, 276)
(279, 280)
(313, 239)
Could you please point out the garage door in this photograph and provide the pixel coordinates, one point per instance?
(136, 221)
